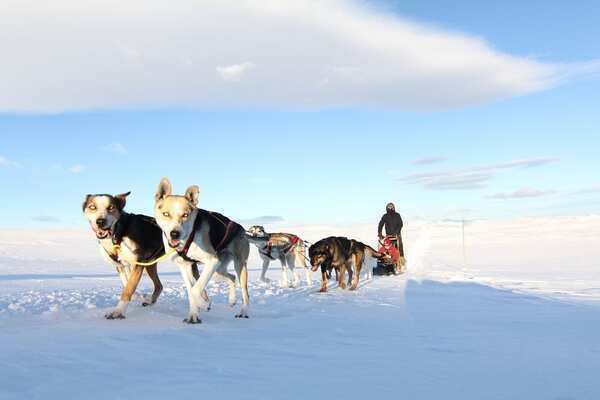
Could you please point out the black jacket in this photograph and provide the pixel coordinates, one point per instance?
(393, 223)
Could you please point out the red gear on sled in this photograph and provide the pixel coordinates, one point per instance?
(386, 246)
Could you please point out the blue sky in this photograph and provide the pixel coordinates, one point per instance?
(497, 155)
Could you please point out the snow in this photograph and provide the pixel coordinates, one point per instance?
(518, 321)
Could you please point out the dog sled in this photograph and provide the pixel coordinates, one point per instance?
(391, 263)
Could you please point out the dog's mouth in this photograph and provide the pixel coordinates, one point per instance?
(102, 233)
(174, 243)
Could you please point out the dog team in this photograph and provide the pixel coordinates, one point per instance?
(189, 236)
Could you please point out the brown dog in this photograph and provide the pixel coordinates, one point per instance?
(341, 254)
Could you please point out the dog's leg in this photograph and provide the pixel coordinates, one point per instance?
(128, 271)
(342, 276)
(350, 272)
(324, 280)
(284, 272)
(153, 274)
(265, 267)
(225, 276)
(193, 276)
(241, 270)
(357, 260)
(200, 286)
(291, 261)
(186, 272)
(302, 261)
(128, 291)
(122, 276)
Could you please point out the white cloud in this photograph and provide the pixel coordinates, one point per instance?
(45, 218)
(470, 178)
(264, 220)
(588, 190)
(76, 169)
(429, 160)
(522, 193)
(88, 54)
(115, 147)
(5, 162)
(234, 73)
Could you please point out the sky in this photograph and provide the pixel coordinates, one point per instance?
(316, 112)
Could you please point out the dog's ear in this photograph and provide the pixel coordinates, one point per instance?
(85, 202)
(164, 189)
(192, 193)
(121, 200)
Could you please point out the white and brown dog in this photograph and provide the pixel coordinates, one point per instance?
(287, 248)
(203, 237)
(125, 240)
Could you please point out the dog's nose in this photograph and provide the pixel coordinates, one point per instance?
(175, 235)
(101, 222)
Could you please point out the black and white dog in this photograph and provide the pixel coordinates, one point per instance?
(287, 248)
(124, 240)
(204, 237)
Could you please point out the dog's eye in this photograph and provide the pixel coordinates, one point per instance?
(111, 208)
(92, 207)
(185, 215)
(166, 214)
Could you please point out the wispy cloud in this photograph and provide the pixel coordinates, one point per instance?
(234, 73)
(263, 220)
(115, 147)
(5, 162)
(45, 218)
(522, 193)
(372, 58)
(470, 178)
(588, 190)
(429, 160)
(77, 168)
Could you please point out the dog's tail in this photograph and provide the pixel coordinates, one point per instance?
(371, 252)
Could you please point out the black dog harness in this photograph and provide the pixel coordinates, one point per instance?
(120, 229)
(221, 232)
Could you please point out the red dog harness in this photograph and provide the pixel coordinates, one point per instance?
(269, 246)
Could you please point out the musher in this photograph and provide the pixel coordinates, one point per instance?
(393, 228)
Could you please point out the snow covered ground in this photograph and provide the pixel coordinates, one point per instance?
(519, 320)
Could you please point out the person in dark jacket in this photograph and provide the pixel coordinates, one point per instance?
(392, 221)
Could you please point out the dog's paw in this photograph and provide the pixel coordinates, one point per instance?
(206, 306)
(265, 280)
(147, 301)
(116, 314)
(193, 319)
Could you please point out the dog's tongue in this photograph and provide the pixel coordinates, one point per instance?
(314, 268)
(101, 233)
(174, 243)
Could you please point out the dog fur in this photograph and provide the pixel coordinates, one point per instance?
(176, 215)
(280, 246)
(140, 241)
(341, 254)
